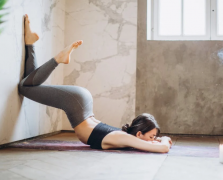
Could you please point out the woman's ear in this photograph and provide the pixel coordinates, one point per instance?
(138, 134)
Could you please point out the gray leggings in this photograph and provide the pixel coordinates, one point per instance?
(76, 101)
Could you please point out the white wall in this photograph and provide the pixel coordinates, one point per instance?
(106, 63)
(20, 117)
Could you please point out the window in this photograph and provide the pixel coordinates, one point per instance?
(185, 19)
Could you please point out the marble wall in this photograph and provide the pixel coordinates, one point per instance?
(20, 117)
(106, 62)
(180, 82)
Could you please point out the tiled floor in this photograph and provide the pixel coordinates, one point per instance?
(45, 164)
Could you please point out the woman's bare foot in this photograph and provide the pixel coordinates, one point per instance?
(30, 37)
(64, 55)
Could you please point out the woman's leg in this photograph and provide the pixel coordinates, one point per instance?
(30, 60)
(75, 101)
(30, 39)
(35, 76)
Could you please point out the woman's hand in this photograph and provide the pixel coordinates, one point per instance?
(158, 139)
(168, 138)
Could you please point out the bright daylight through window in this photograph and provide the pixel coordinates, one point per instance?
(184, 19)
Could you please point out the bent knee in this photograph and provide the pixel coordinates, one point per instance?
(21, 86)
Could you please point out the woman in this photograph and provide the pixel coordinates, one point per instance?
(77, 102)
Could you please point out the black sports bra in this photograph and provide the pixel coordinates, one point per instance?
(98, 133)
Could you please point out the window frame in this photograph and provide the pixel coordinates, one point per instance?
(214, 20)
(211, 23)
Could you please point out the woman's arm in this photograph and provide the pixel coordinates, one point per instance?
(120, 139)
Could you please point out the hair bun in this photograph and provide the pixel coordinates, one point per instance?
(125, 127)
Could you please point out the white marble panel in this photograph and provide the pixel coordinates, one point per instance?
(106, 62)
(20, 117)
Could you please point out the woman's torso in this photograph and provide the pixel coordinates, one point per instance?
(84, 129)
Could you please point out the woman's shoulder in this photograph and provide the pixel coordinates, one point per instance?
(112, 140)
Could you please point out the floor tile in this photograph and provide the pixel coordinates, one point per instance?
(23, 154)
(119, 166)
(95, 165)
(8, 175)
(190, 168)
(32, 173)
(9, 163)
(50, 168)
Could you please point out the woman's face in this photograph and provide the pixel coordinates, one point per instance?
(148, 136)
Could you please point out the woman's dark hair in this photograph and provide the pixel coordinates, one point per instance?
(144, 122)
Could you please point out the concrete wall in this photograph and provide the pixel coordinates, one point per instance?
(180, 82)
(106, 63)
(20, 117)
